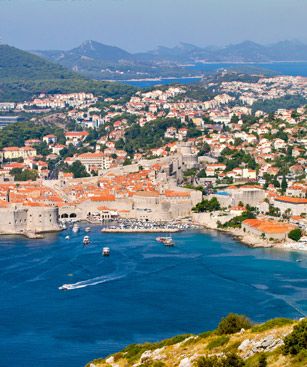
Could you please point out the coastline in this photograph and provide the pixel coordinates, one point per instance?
(157, 79)
(256, 242)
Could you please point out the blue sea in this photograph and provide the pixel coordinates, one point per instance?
(142, 292)
(281, 68)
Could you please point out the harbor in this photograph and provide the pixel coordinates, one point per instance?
(138, 226)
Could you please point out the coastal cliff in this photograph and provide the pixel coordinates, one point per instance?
(276, 343)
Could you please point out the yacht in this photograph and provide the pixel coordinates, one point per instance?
(86, 240)
(106, 251)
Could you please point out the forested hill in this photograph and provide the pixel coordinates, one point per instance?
(23, 75)
(18, 64)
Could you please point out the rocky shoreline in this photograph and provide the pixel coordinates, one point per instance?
(252, 241)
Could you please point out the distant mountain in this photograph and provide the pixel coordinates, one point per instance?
(89, 50)
(243, 52)
(99, 61)
(23, 75)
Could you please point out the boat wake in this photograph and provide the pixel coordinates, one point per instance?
(95, 281)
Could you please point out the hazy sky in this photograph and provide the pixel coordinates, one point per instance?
(138, 25)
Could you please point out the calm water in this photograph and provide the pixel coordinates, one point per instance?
(142, 292)
(282, 68)
(152, 83)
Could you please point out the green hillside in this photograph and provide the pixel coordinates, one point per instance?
(235, 343)
(18, 64)
(23, 75)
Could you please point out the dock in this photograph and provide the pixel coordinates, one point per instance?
(141, 230)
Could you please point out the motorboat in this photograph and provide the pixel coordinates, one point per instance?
(86, 240)
(169, 242)
(164, 239)
(106, 251)
(87, 229)
(67, 238)
(65, 287)
(75, 228)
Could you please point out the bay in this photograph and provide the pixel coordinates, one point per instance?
(142, 292)
(281, 68)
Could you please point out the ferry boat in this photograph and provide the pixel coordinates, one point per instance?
(106, 251)
(86, 240)
(75, 228)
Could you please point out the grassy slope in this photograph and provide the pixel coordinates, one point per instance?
(23, 75)
(176, 349)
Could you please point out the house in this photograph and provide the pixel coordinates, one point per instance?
(95, 161)
(212, 169)
(267, 228)
(295, 206)
(16, 152)
(75, 137)
(32, 142)
(57, 148)
(50, 139)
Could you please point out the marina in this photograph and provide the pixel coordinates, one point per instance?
(138, 226)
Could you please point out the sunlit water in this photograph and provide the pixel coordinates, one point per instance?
(142, 292)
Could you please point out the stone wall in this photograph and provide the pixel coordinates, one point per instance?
(18, 219)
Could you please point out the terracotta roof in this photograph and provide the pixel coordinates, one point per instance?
(267, 226)
(291, 200)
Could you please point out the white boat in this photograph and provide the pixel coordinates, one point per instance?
(75, 228)
(164, 239)
(87, 229)
(67, 238)
(106, 251)
(86, 240)
(169, 242)
(65, 287)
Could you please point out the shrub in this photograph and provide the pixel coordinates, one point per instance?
(262, 362)
(278, 322)
(218, 342)
(134, 351)
(295, 234)
(153, 364)
(209, 362)
(233, 323)
(297, 340)
(205, 334)
(231, 360)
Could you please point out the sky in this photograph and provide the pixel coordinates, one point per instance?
(141, 25)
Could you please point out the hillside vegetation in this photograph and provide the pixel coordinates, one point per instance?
(23, 75)
(235, 343)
